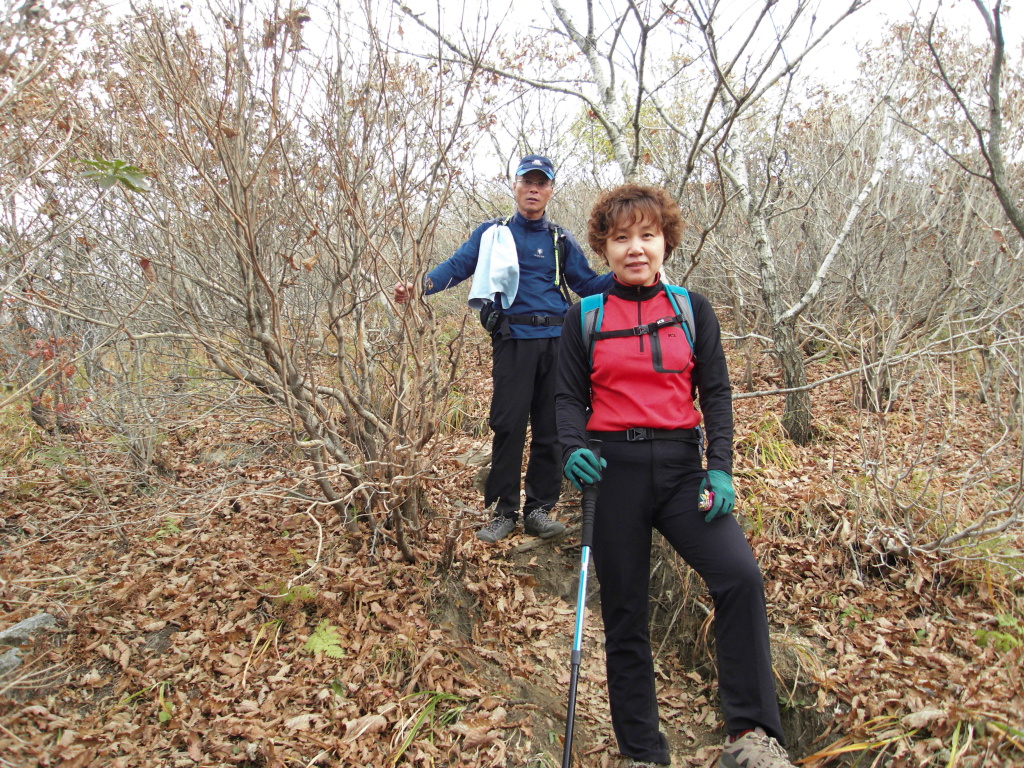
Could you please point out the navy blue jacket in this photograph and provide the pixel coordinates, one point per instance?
(537, 294)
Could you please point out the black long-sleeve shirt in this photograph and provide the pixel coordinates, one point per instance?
(624, 387)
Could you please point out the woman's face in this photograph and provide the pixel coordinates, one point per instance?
(635, 252)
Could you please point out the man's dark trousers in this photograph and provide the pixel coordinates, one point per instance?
(523, 372)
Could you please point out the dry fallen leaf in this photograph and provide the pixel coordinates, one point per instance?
(363, 725)
(300, 722)
(923, 718)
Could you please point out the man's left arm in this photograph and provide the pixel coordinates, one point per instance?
(582, 279)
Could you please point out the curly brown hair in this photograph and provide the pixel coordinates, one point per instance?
(630, 203)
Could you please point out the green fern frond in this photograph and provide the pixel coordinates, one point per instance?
(325, 640)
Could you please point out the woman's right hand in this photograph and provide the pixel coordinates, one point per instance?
(583, 467)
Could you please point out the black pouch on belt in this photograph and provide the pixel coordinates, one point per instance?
(491, 317)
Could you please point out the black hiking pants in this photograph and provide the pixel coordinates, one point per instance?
(654, 485)
(523, 372)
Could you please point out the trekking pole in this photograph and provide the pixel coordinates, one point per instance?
(587, 536)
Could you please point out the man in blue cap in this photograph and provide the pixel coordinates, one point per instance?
(525, 321)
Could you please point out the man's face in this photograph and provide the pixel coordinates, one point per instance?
(533, 190)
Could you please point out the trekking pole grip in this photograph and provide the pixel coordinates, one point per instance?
(590, 500)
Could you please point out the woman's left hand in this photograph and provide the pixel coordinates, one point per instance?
(724, 499)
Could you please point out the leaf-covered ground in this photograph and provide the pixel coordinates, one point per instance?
(213, 618)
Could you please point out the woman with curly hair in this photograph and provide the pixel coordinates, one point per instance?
(630, 367)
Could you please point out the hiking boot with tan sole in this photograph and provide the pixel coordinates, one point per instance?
(754, 749)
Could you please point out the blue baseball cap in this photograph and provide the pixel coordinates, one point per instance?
(536, 163)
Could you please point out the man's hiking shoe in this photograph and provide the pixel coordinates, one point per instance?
(499, 527)
(630, 763)
(754, 749)
(537, 523)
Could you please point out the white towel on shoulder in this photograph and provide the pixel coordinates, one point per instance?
(497, 268)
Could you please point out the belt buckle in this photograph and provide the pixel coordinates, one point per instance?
(636, 434)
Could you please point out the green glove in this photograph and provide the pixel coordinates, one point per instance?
(583, 467)
(720, 484)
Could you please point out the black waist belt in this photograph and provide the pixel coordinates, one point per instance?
(534, 319)
(639, 434)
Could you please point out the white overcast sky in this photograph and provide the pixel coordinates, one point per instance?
(837, 60)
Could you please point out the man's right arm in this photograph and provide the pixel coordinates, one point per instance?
(402, 292)
(450, 272)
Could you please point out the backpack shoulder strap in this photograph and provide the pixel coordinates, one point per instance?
(592, 309)
(680, 299)
(561, 253)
